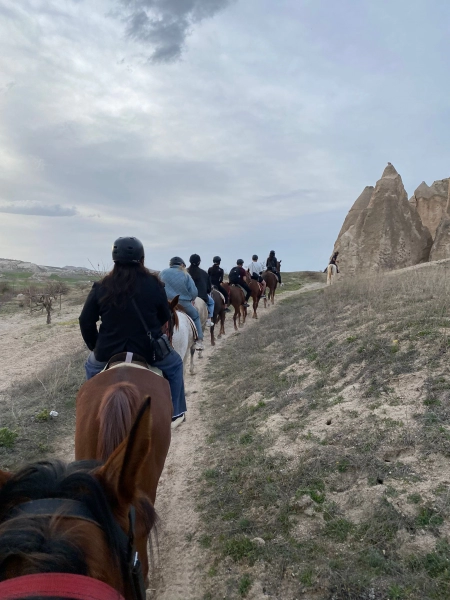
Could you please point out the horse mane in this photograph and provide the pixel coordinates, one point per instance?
(35, 540)
(116, 414)
(180, 308)
(38, 542)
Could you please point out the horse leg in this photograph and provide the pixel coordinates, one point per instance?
(235, 316)
(191, 368)
(213, 342)
(255, 306)
(222, 323)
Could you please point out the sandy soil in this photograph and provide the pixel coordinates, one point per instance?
(28, 344)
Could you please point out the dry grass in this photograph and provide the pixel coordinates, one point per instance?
(27, 431)
(332, 481)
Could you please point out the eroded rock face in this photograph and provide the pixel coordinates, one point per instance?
(431, 203)
(441, 244)
(386, 234)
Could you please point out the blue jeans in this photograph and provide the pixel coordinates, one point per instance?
(193, 313)
(210, 305)
(172, 368)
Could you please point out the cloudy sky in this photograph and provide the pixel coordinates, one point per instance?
(213, 126)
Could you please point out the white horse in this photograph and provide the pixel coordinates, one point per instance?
(183, 340)
(331, 273)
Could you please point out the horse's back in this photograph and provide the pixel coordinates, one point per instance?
(92, 392)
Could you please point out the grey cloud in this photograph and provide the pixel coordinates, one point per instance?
(165, 24)
(41, 210)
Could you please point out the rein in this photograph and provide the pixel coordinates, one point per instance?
(62, 507)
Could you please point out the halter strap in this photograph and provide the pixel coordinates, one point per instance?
(64, 585)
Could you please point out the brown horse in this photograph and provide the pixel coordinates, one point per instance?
(66, 530)
(218, 316)
(106, 407)
(256, 295)
(237, 297)
(272, 282)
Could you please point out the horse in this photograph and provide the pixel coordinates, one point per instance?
(331, 273)
(272, 282)
(106, 407)
(219, 315)
(67, 530)
(237, 297)
(256, 290)
(183, 340)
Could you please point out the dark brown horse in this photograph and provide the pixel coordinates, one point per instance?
(272, 282)
(218, 316)
(237, 298)
(66, 530)
(106, 407)
(256, 295)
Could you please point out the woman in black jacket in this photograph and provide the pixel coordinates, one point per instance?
(113, 300)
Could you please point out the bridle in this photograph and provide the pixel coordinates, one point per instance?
(75, 509)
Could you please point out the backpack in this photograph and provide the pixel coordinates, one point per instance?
(235, 274)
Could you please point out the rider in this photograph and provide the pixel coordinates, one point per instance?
(272, 265)
(237, 277)
(121, 329)
(180, 283)
(203, 283)
(216, 276)
(255, 269)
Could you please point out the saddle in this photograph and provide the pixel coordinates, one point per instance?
(219, 292)
(128, 359)
(238, 286)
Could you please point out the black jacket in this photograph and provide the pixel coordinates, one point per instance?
(272, 262)
(120, 329)
(216, 274)
(201, 280)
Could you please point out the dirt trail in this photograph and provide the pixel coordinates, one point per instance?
(177, 573)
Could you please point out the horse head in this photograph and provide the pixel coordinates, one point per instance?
(75, 519)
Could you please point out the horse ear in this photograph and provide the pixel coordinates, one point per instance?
(121, 470)
(4, 476)
(174, 302)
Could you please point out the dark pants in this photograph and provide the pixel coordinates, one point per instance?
(172, 368)
(224, 292)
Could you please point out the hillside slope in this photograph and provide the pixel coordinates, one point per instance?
(327, 474)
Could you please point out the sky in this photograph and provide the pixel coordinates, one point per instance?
(227, 127)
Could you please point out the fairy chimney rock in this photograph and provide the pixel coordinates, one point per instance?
(387, 233)
(431, 203)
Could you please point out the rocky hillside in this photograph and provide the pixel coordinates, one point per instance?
(8, 266)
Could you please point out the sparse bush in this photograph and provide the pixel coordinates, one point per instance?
(7, 437)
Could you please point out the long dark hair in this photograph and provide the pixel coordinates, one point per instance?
(120, 283)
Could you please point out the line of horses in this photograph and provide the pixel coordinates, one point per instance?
(81, 531)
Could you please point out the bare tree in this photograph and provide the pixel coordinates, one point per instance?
(41, 299)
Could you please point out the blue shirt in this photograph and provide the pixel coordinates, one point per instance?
(178, 283)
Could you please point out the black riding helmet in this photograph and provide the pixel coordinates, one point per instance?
(127, 250)
(239, 261)
(272, 253)
(194, 260)
(255, 257)
(217, 260)
(177, 261)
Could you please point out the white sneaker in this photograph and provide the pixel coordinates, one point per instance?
(178, 421)
(208, 323)
(199, 345)
(281, 284)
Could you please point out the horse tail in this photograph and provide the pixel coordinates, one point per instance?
(118, 410)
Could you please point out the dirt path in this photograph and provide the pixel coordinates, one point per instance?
(178, 573)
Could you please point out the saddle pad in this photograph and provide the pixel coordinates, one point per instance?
(238, 286)
(154, 370)
(193, 327)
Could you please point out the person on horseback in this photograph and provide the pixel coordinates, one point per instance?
(119, 300)
(203, 284)
(255, 269)
(216, 274)
(272, 265)
(333, 261)
(179, 283)
(237, 277)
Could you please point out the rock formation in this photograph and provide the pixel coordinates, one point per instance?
(431, 203)
(441, 244)
(384, 231)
